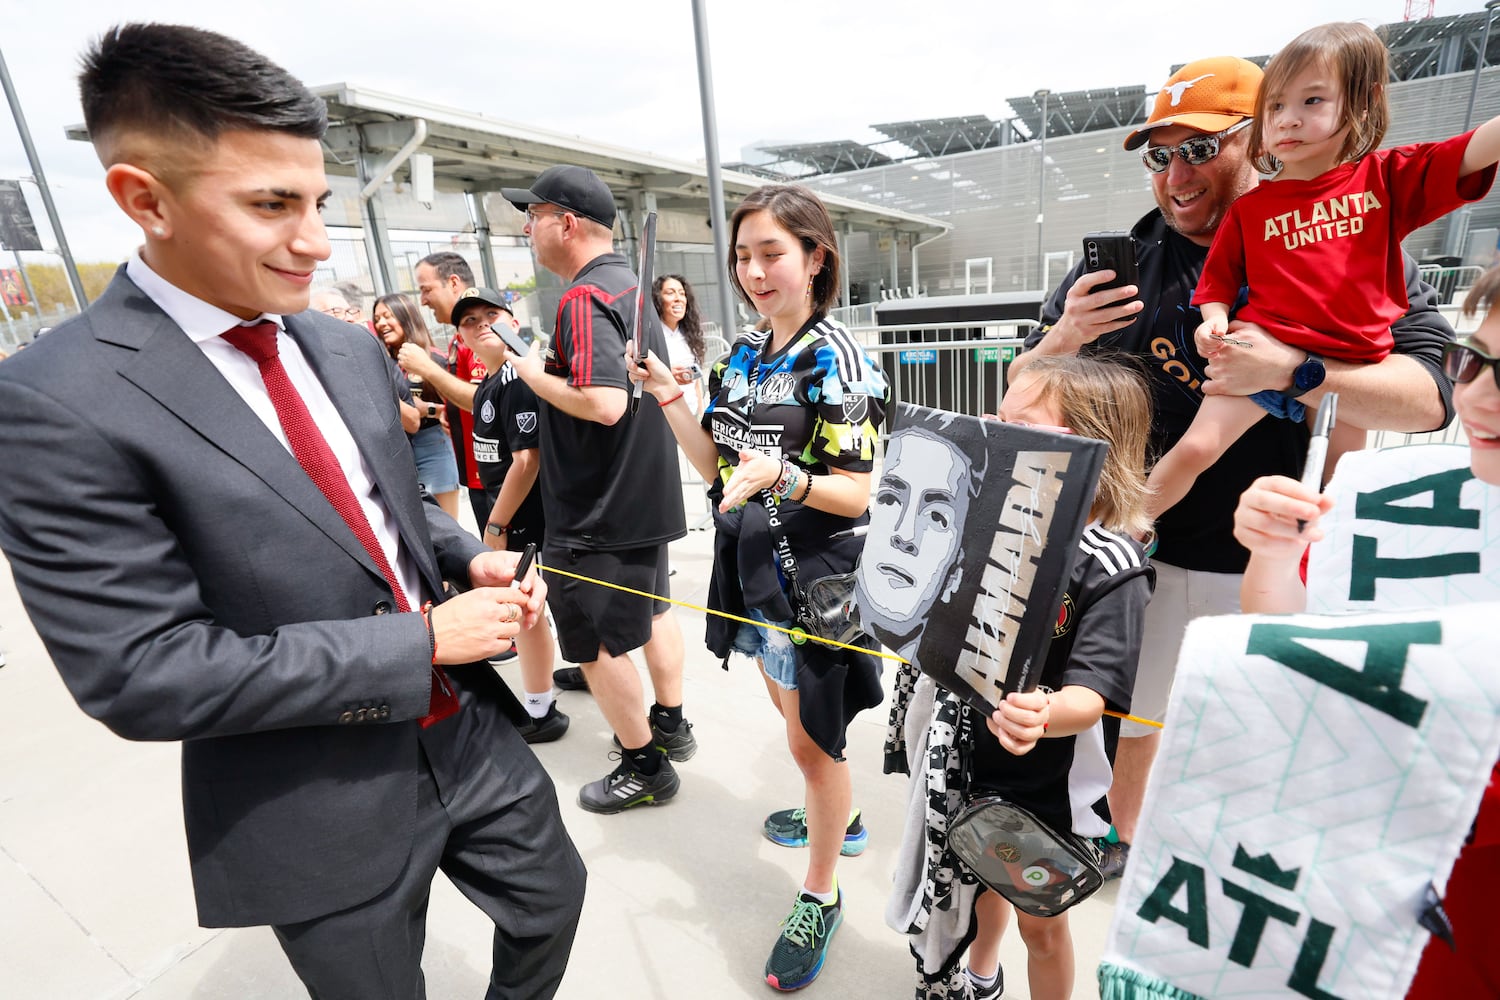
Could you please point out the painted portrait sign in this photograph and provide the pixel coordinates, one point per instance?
(972, 535)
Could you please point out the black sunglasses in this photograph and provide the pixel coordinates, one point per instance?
(1462, 362)
(1195, 152)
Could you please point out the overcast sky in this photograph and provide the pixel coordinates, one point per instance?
(625, 72)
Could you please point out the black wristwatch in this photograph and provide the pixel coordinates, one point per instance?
(432, 409)
(1307, 376)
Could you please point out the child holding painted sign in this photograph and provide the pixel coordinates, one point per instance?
(1319, 245)
(1049, 751)
(1267, 523)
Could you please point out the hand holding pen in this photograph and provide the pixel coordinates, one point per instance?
(1317, 448)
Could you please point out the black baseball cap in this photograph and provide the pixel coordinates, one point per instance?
(577, 189)
(473, 298)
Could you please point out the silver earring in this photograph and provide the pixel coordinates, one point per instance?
(158, 232)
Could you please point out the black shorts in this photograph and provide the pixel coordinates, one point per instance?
(589, 616)
(520, 535)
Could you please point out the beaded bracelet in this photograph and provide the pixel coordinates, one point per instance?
(806, 488)
(786, 482)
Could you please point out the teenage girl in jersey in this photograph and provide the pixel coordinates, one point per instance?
(790, 427)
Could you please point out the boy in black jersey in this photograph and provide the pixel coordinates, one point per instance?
(506, 454)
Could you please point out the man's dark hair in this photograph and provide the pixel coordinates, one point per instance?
(173, 80)
(447, 263)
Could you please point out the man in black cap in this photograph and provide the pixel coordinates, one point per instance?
(604, 472)
(507, 456)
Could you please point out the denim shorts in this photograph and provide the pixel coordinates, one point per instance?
(1279, 404)
(774, 649)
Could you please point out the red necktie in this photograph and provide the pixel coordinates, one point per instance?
(318, 461)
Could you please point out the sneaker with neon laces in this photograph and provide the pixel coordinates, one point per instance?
(625, 787)
(788, 827)
(802, 947)
(1115, 856)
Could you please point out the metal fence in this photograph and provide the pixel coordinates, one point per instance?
(20, 328)
(1452, 283)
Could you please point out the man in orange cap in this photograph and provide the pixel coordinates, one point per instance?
(1195, 148)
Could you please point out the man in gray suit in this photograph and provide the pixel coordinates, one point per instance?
(213, 520)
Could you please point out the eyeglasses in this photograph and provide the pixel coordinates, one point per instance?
(1195, 152)
(1462, 362)
(337, 312)
(533, 216)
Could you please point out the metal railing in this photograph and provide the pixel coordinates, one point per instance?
(951, 366)
(21, 326)
(1452, 283)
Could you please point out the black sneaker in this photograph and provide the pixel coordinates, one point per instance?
(679, 745)
(994, 991)
(546, 729)
(806, 932)
(625, 787)
(1115, 856)
(956, 986)
(569, 679)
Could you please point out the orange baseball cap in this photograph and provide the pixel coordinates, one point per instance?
(1208, 95)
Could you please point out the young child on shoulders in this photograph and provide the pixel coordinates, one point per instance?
(1319, 245)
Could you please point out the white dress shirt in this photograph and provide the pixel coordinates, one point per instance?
(204, 323)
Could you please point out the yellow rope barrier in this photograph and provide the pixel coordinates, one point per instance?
(795, 633)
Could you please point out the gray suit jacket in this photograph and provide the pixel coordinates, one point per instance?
(191, 583)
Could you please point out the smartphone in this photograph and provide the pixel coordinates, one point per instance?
(512, 338)
(1114, 251)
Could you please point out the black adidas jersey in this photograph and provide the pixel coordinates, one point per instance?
(505, 422)
(1096, 644)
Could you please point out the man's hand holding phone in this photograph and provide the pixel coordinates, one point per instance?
(1089, 313)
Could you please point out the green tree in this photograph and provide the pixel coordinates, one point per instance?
(50, 282)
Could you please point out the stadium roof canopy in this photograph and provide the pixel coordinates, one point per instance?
(374, 135)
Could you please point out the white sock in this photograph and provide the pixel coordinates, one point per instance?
(983, 982)
(826, 898)
(537, 704)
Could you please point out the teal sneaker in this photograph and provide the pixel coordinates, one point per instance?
(788, 828)
(802, 947)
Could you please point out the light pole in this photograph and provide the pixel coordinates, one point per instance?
(41, 183)
(718, 220)
(1041, 187)
(1484, 45)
